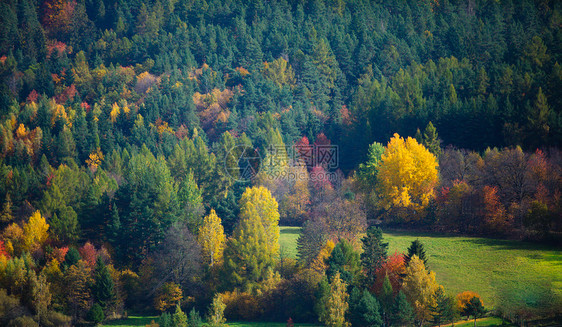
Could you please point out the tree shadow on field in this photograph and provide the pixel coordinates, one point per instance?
(413, 234)
(537, 252)
(511, 245)
(296, 230)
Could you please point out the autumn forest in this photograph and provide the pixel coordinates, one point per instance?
(156, 157)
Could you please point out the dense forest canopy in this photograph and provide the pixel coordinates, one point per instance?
(122, 126)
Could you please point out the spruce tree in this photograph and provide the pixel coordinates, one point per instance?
(104, 287)
(165, 320)
(386, 298)
(403, 312)
(443, 310)
(72, 257)
(416, 248)
(345, 262)
(364, 309)
(374, 253)
(474, 308)
(194, 319)
(6, 214)
(431, 139)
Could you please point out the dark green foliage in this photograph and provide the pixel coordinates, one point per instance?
(194, 319)
(95, 314)
(364, 309)
(64, 225)
(104, 287)
(227, 209)
(322, 291)
(431, 140)
(345, 260)
(374, 253)
(72, 257)
(444, 310)
(484, 73)
(165, 320)
(474, 308)
(386, 298)
(416, 248)
(115, 224)
(402, 312)
(148, 205)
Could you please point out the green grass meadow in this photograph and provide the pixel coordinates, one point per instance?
(489, 267)
(288, 241)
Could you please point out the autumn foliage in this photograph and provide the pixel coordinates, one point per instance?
(407, 174)
(395, 269)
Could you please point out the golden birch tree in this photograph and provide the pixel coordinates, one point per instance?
(211, 238)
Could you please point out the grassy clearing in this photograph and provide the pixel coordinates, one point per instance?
(288, 241)
(489, 267)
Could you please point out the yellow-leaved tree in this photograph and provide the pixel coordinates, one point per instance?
(335, 304)
(35, 232)
(254, 245)
(319, 263)
(420, 286)
(407, 175)
(211, 238)
(258, 203)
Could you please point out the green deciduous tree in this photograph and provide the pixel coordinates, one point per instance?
(474, 308)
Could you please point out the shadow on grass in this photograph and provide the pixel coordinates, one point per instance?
(407, 233)
(513, 245)
(502, 244)
(291, 230)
